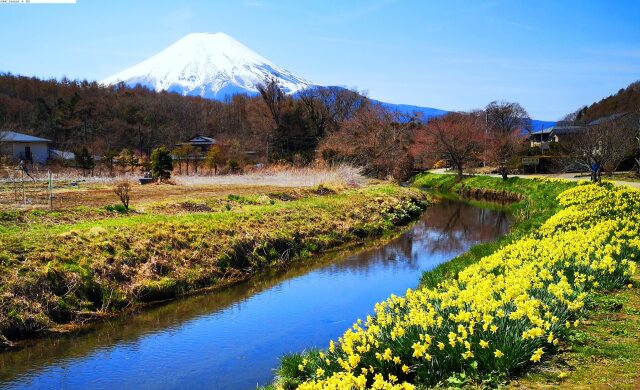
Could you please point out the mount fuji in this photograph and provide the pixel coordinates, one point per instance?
(215, 66)
(211, 65)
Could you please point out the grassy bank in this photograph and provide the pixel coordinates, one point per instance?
(68, 267)
(490, 318)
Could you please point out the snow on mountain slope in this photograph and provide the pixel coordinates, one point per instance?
(214, 66)
(211, 65)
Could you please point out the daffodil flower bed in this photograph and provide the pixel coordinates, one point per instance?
(501, 314)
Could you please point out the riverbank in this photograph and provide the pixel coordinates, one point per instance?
(497, 310)
(603, 349)
(530, 203)
(61, 268)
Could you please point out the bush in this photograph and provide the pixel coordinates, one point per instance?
(118, 208)
(122, 190)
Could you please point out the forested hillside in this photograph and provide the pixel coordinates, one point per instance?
(626, 100)
(81, 113)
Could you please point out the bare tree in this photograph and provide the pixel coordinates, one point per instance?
(376, 139)
(122, 190)
(506, 122)
(602, 146)
(273, 96)
(328, 107)
(455, 137)
(572, 117)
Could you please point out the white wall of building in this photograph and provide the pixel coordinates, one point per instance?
(39, 151)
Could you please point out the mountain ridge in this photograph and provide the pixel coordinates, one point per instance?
(210, 65)
(216, 66)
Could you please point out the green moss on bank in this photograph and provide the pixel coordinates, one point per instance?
(64, 273)
(538, 203)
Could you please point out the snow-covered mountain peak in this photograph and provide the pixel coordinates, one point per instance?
(211, 65)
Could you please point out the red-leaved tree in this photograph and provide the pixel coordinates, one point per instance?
(456, 137)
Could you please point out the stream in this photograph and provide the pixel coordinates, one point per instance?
(232, 338)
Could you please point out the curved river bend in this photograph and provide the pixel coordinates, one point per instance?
(232, 339)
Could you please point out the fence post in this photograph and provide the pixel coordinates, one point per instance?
(50, 191)
(24, 194)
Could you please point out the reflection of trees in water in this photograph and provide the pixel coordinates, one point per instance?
(446, 227)
(454, 227)
(394, 254)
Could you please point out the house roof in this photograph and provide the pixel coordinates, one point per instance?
(560, 130)
(12, 136)
(543, 131)
(200, 139)
(607, 118)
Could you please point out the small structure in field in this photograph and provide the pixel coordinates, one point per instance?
(24, 147)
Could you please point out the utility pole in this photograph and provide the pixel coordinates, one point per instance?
(24, 194)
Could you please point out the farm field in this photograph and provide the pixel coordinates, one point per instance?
(65, 267)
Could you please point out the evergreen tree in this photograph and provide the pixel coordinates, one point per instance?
(161, 163)
(84, 160)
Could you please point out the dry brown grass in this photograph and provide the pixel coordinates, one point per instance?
(285, 176)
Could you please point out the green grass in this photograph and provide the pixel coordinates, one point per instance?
(55, 273)
(538, 205)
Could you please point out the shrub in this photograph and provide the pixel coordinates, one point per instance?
(118, 208)
(122, 190)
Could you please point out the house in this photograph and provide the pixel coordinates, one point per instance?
(200, 142)
(559, 133)
(24, 147)
(541, 139)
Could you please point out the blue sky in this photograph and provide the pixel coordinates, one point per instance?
(551, 56)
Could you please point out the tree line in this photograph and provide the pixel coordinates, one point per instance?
(122, 126)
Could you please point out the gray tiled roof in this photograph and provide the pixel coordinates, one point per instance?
(12, 136)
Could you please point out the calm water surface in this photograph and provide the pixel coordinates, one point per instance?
(232, 339)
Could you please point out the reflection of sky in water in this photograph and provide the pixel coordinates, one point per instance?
(232, 339)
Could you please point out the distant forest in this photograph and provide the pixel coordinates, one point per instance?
(328, 124)
(331, 122)
(81, 113)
